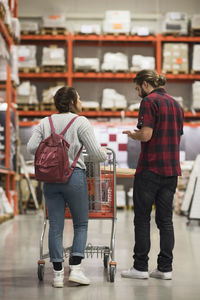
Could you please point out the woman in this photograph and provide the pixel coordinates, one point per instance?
(74, 192)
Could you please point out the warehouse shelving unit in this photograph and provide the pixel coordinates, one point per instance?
(71, 41)
(8, 175)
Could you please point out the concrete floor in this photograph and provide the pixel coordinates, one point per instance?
(19, 253)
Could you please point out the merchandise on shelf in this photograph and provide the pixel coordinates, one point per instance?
(142, 31)
(28, 26)
(196, 58)
(27, 93)
(3, 49)
(115, 62)
(179, 100)
(118, 21)
(88, 29)
(134, 106)
(53, 56)
(196, 95)
(93, 105)
(195, 22)
(8, 15)
(175, 58)
(54, 21)
(14, 66)
(15, 25)
(5, 207)
(47, 95)
(140, 62)
(113, 100)
(175, 22)
(27, 56)
(86, 64)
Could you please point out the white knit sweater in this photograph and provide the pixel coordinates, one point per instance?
(79, 133)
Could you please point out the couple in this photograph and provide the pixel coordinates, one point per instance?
(160, 126)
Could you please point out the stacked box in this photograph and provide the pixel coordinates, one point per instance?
(112, 100)
(115, 62)
(81, 64)
(27, 56)
(53, 56)
(196, 95)
(47, 95)
(175, 22)
(54, 21)
(28, 26)
(118, 21)
(140, 62)
(27, 93)
(175, 58)
(196, 58)
(195, 22)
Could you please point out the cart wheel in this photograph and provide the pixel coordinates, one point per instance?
(41, 271)
(105, 260)
(112, 273)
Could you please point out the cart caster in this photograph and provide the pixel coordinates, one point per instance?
(112, 272)
(105, 260)
(41, 265)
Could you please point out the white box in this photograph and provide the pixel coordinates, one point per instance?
(118, 21)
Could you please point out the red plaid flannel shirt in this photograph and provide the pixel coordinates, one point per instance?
(161, 112)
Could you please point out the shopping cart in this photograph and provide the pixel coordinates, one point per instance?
(101, 184)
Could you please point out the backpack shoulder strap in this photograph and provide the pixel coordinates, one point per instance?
(51, 124)
(76, 158)
(68, 125)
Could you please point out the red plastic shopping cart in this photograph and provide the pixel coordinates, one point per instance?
(101, 184)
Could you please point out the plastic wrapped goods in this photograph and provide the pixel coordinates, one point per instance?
(196, 58)
(14, 66)
(140, 62)
(196, 95)
(88, 29)
(175, 58)
(81, 64)
(27, 93)
(115, 62)
(28, 26)
(47, 95)
(54, 21)
(53, 56)
(27, 56)
(15, 28)
(175, 22)
(112, 100)
(3, 48)
(118, 21)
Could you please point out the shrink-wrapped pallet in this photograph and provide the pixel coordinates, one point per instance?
(175, 58)
(93, 105)
(3, 49)
(118, 21)
(140, 62)
(115, 62)
(14, 66)
(113, 100)
(27, 56)
(28, 26)
(15, 25)
(54, 21)
(27, 93)
(87, 29)
(196, 95)
(86, 64)
(175, 22)
(47, 95)
(53, 56)
(196, 58)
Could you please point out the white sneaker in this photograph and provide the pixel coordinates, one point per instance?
(58, 280)
(133, 273)
(77, 275)
(161, 275)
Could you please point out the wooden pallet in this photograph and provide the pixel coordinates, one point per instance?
(175, 72)
(85, 70)
(175, 34)
(53, 69)
(85, 34)
(53, 31)
(195, 72)
(115, 71)
(116, 34)
(29, 32)
(47, 106)
(195, 32)
(28, 107)
(29, 70)
(113, 108)
(90, 108)
(2, 12)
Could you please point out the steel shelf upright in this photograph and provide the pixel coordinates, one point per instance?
(10, 92)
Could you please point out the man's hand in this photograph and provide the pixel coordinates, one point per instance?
(143, 135)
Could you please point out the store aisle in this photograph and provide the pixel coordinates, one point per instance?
(19, 253)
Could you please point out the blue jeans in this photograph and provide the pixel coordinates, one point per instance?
(149, 189)
(57, 195)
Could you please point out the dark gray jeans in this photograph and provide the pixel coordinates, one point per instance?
(149, 189)
(57, 195)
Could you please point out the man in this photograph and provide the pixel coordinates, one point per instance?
(160, 126)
